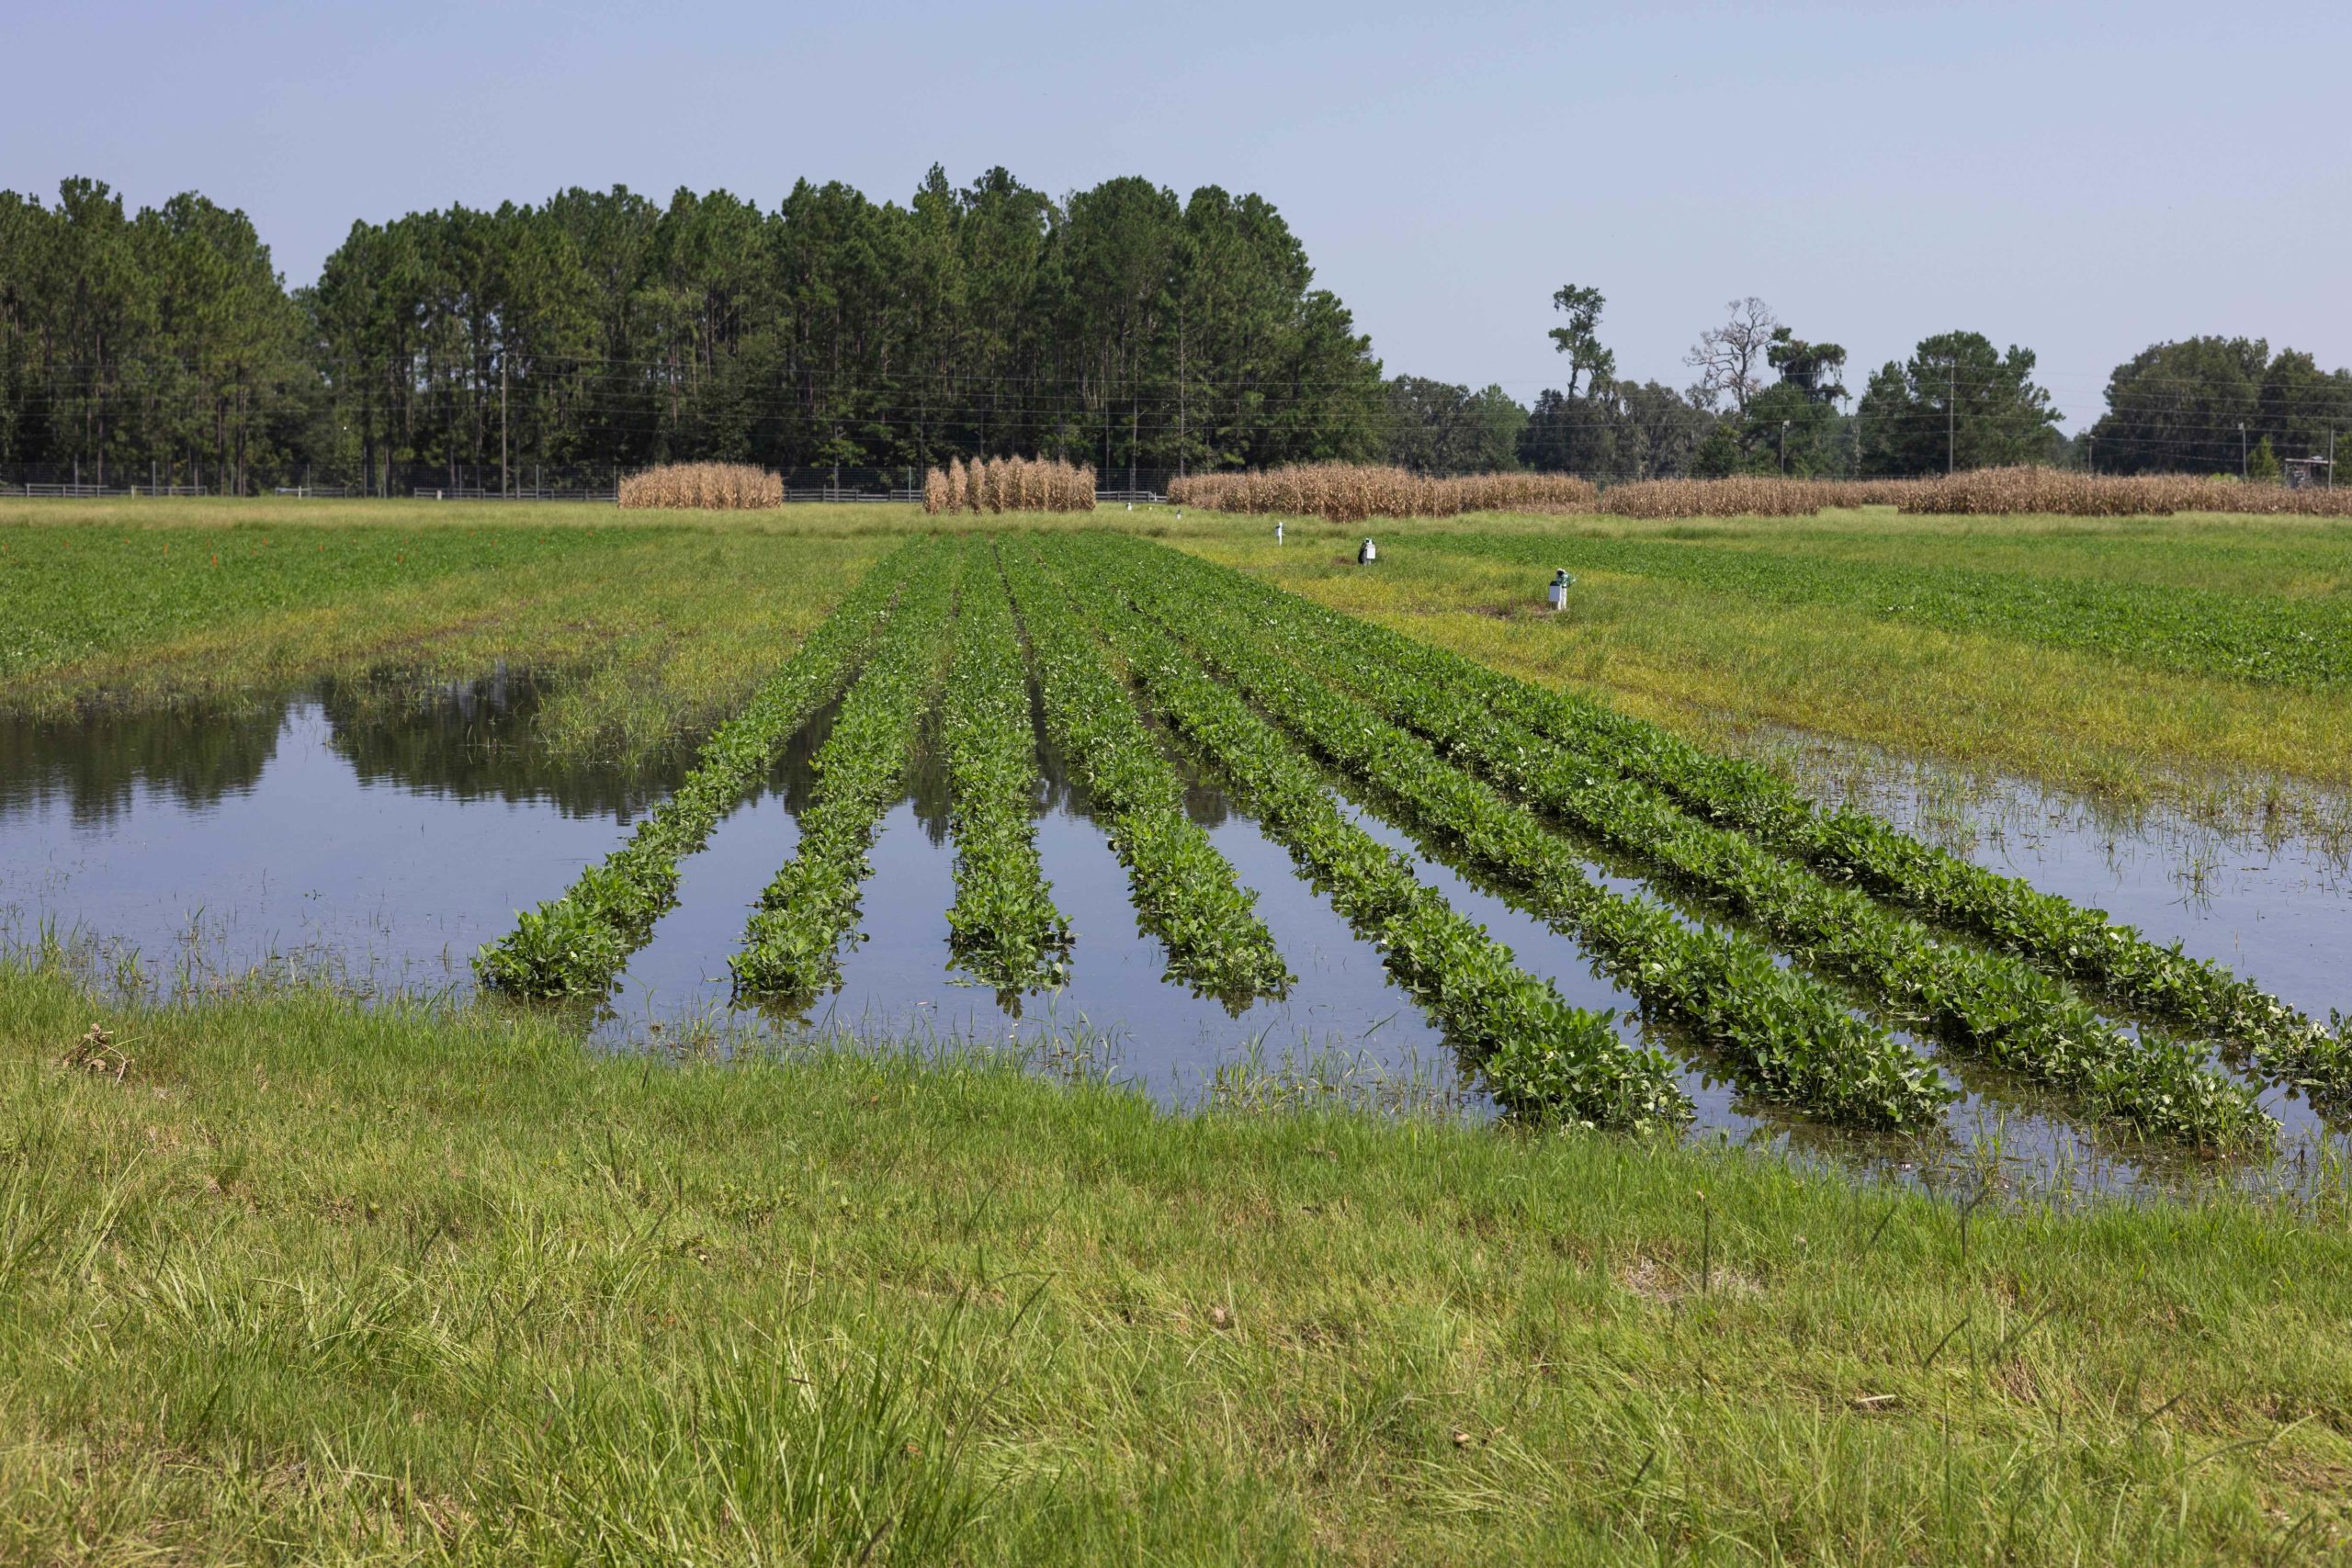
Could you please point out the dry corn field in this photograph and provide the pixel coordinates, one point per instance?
(1346, 492)
(1009, 484)
(719, 487)
(1748, 495)
(2004, 491)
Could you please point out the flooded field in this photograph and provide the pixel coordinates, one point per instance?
(379, 835)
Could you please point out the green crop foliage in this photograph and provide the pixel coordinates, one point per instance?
(1003, 925)
(791, 947)
(1990, 1003)
(1185, 893)
(1542, 1059)
(73, 592)
(2162, 983)
(2270, 638)
(1788, 1037)
(573, 946)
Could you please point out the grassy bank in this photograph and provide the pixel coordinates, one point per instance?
(281, 1278)
(2003, 643)
(651, 633)
(2021, 644)
(655, 625)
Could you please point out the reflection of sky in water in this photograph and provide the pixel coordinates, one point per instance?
(2279, 910)
(384, 840)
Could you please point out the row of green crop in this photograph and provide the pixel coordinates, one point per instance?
(1541, 1057)
(1185, 891)
(2274, 639)
(575, 944)
(792, 946)
(1990, 1003)
(2160, 983)
(1003, 925)
(1789, 1037)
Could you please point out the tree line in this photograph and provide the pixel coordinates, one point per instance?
(602, 330)
(1765, 400)
(599, 331)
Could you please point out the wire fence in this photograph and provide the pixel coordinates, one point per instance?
(597, 484)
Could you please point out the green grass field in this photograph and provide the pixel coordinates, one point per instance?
(2163, 661)
(309, 1282)
(285, 1278)
(2195, 659)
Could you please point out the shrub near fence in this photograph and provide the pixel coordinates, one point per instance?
(721, 487)
(1009, 484)
(1348, 492)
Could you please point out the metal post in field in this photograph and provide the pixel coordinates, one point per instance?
(1951, 420)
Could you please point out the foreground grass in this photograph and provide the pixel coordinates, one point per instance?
(285, 1280)
(1772, 624)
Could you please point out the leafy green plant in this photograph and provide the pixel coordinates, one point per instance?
(574, 945)
(2161, 983)
(1990, 1003)
(1788, 1037)
(1185, 891)
(1543, 1059)
(1003, 925)
(2273, 640)
(791, 946)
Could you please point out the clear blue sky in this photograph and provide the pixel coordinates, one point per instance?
(2081, 179)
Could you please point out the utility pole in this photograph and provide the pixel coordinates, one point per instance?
(506, 486)
(2242, 449)
(1951, 419)
(1784, 448)
(2331, 458)
(2094, 445)
(1134, 433)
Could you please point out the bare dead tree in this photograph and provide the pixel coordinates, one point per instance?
(1732, 359)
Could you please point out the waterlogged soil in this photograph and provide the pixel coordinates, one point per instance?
(373, 832)
(1342, 1028)
(379, 833)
